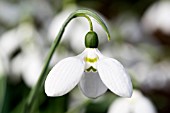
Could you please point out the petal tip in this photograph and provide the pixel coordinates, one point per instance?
(48, 93)
(127, 94)
(52, 94)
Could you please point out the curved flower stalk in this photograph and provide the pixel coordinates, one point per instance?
(95, 73)
(73, 37)
(136, 104)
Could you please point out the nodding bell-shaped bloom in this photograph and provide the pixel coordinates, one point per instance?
(93, 72)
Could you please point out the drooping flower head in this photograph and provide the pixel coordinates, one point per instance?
(94, 73)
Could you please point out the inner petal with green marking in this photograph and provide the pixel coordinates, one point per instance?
(91, 64)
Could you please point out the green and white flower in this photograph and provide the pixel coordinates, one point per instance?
(94, 72)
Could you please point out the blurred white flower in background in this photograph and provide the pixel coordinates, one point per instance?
(128, 54)
(136, 104)
(28, 61)
(9, 42)
(28, 64)
(18, 37)
(139, 71)
(151, 75)
(42, 14)
(157, 17)
(76, 29)
(129, 28)
(158, 76)
(9, 13)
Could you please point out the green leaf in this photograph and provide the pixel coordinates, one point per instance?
(2, 91)
(19, 108)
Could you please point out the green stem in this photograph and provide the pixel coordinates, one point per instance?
(38, 87)
(90, 22)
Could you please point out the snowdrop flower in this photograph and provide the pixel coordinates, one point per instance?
(17, 38)
(9, 38)
(29, 65)
(28, 62)
(94, 72)
(136, 104)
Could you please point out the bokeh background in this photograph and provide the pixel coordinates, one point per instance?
(140, 40)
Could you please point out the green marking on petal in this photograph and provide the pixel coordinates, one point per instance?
(91, 60)
(91, 68)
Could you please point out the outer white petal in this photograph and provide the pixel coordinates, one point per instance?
(91, 85)
(64, 76)
(114, 76)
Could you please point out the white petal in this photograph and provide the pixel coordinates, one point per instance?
(91, 85)
(114, 76)
(64, 76)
